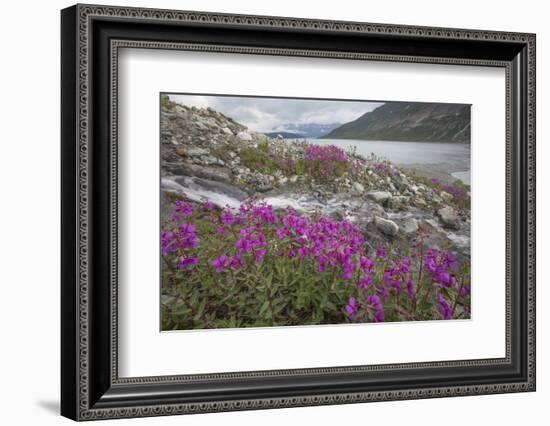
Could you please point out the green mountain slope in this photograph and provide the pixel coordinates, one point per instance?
(409, 121)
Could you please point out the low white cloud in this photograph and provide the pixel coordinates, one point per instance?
(274, 114)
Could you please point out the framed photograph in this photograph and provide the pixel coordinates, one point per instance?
(263, 212)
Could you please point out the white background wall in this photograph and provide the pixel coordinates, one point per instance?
(29, 213)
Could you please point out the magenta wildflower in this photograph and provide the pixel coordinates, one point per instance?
(259, 256)
(410, 289)
(464, 291)
(187, 236)
(188, 262)
(444, 308)
(391, 277)
(383, 290)
(444, 279)
(280, 233)
(168, 242)
(440, 264)
(366, 264)
(381, 252)
(221, 263)
(227, 217)
(237, 262)
(208, 205)
(352, 308)
(184, 208)
(365, 282)
(375, 303)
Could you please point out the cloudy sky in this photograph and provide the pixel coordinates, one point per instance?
(271, 114)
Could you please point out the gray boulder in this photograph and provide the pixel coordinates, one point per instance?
(196, 152)
(397, 202)
(379, 196)
(409, 226)
(386, 226)
(449, 217)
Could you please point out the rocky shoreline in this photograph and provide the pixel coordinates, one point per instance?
(208, 156)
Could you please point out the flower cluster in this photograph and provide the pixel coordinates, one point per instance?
(329, 153)
(326, 161)
(442, 266)
(180, 242)
(329, 261)
(385, 168)
(458, 192)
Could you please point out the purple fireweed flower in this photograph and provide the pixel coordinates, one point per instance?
(237, 262)
(187, 236)
(188, 262)
(365, 282)
(322, 264)
(380, 167)
(227, 217)
(221, 263)
(352, 308)
(168, 242)
(444, 308)
(464, 291)
(375, 303)
(262, 213)
(184, 208)
(431, 264)
(456, 191)
(383, 290)
(221, 230)
(259, 256)
(381, 252)
(366, 264)
(251, 239)
(280, 232)
(244, 245)
(391, 277)
(439, 264)
(449, 259)
(444, 279)
(405, 265)
(410, 289)
(328, 153)
(208, 205)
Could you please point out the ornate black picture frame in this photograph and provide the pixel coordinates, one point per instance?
(91, 387)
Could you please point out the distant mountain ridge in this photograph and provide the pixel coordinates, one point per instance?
(409, 121)
(307, 130)
(285, 135)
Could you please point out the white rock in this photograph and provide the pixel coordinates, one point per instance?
(357, 188)
(388, 227)
(244, 136)
(227, 131)
(445, 196)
